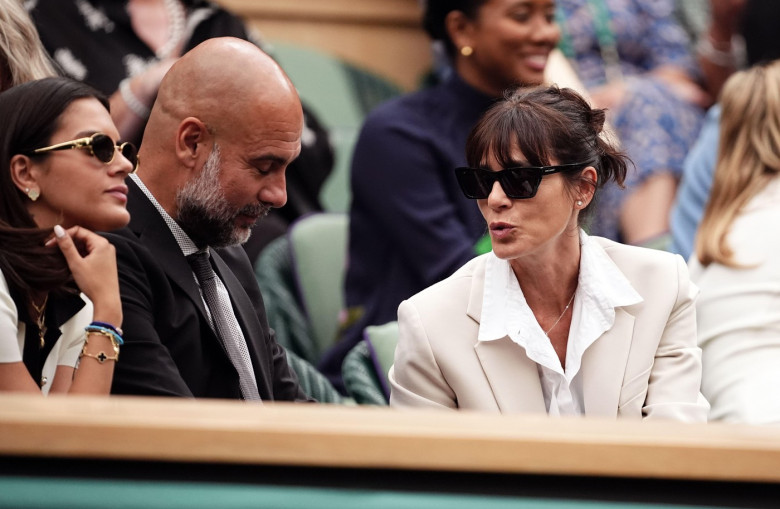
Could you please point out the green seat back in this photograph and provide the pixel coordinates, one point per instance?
(273, 271)
(318, 244)
(314, 383)
(382, 340)
(360, 377)
(365, 367)
(340, 94)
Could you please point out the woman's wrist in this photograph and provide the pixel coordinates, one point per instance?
(108, 314)
(716, 48)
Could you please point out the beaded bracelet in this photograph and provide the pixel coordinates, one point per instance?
(118, 330)
(110, 333)
(735, 56)
(101, 356)
(136, 106)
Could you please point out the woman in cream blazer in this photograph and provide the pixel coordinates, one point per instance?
(552, 320)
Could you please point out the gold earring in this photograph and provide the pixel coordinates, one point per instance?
(466, 51)
(32, 194)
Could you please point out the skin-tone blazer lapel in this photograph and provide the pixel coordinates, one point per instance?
(604, 366)
(514, 378)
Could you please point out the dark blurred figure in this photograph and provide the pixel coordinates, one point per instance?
(123, 49)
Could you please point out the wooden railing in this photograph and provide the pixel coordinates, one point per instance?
(384, 36)
(123, 428)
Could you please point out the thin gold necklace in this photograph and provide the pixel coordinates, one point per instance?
(41, 310)
(563, 313)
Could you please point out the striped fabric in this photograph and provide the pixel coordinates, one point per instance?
(313, 382)
(360, 377)
(273, 271)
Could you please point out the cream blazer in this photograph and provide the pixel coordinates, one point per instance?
(646, 366)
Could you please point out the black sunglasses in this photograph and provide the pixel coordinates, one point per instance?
(518, 183)
(99, 145)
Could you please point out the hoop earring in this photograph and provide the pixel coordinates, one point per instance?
(32, 194)
(466, 51)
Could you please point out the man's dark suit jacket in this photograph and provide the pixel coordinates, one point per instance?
(170, 349)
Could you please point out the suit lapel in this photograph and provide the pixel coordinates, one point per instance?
(604, 365)
(513, 377)
(154, 234)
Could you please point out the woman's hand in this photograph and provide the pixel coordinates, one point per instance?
(92, 261)
(681, 85)
(609, 96)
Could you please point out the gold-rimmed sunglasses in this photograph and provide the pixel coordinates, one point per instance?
(100, 146)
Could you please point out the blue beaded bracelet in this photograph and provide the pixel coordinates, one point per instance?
(104, 330)
(107, 326)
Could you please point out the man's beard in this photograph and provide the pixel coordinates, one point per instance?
(205, 214)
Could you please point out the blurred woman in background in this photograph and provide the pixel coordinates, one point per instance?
(636, 61)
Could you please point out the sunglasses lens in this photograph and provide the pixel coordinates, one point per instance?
(130, 153)
(475, 184)
(520, 183)
(103, 148)
(517, 183)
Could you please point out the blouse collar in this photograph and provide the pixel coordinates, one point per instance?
(601, 289)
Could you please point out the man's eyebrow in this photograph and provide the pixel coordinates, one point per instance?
(269, 157)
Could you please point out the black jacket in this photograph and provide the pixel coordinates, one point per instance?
(170, 349)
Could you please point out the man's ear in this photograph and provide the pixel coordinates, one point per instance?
(21, 173)
(191, 140)
(459, 27)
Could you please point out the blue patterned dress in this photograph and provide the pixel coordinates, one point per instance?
(656, 128)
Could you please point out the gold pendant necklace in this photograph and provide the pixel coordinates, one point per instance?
(547, 333)
(41, 310)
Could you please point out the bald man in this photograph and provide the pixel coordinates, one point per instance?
(226, 124)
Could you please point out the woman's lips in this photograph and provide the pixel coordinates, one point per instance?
(536, 62)
(118, 192)
(500, 230)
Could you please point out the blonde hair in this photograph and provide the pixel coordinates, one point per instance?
(22, 56)
(748, 156)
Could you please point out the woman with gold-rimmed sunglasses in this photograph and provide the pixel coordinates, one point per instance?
(62, 174)
(552, 321)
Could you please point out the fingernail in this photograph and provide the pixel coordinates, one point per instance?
(59, 231)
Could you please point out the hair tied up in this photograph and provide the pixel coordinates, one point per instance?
(596, 118)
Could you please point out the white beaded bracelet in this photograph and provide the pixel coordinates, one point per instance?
(136, 106)
(735, 57)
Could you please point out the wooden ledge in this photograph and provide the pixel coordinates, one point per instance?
(161, 429)
(371, 12)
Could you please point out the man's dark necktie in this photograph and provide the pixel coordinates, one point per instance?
(225, 323)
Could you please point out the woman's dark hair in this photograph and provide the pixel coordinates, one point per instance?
(30, 115)
(547, 123)
(436, 12)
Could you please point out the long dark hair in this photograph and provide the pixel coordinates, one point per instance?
(436, 12)
(30, 114)
(547, 123)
